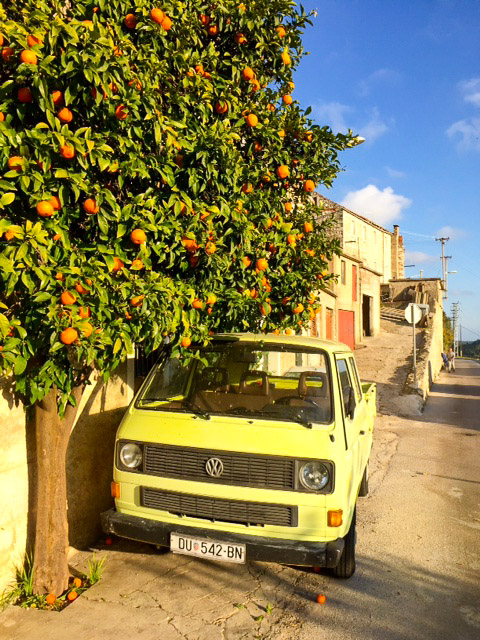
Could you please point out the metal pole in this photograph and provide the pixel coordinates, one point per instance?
(414, 348)
(443, 240)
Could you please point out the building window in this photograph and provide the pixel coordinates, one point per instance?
(343, 272)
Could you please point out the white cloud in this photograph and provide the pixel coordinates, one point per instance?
(469, 131)
(333, 114)
(471, 91)
(451, 233)
(374, 128)
(384, 76)
(418, 257)
(394, 173)
(381, 207)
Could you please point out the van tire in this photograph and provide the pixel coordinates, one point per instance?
(346, 565)
(363, 492)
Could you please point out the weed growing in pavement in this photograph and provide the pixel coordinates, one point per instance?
(95, 569)
(21, 591)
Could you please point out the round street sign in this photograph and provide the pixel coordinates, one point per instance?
(413, 313)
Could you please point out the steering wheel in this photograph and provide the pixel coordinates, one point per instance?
(286, 400)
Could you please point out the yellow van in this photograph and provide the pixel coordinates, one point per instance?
(256, 448)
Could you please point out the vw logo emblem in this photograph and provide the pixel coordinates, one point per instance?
(214, 467)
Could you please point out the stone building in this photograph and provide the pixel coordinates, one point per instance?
(370, 256)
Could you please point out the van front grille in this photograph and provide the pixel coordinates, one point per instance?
(243, 470)
(234, 511)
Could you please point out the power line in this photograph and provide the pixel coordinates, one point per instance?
(420, 235)
(471, 331)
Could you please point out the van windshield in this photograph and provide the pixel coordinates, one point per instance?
(270, 381)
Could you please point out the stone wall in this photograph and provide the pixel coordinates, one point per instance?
(89, 466)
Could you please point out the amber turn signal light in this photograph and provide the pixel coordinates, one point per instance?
(115, 489)
(335, 518)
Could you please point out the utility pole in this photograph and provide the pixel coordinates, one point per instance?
(443, 240)
(445, 276)
(455, 314)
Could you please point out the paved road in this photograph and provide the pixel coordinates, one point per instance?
(418, 557)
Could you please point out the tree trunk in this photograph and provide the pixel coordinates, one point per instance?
(51, 532)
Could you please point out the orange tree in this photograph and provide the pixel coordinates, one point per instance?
(156, 181)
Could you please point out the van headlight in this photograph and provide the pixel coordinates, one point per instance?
(314, 475)
(131, 455)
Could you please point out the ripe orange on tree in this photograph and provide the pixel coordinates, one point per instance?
(286, 58)
(212, 30)
(90, 206)
(281, 32)
(138, 236)
(287, 99)
(291, 239)
(137, 301)
(190, 244)
(166, 23)
(299, 308)
(137, 265)
(197, 304)
(240, 38)
(130, 21)
(210, 248)
(33, 40)
(262, 264)
(157, 15)
(24, 95)
(79, 288)
(68, 298)
(55, 202)
(309, 186)
(69, 335)
(84, 312)
(15, 163)
(87, 331)
(205, 20)
(117, 264)
(246, 261)
(120, 112)
(255, 84)
(288, 206)
(252, 120)
(65, 115)
(248, 73)
(45, 209)
(307, 227)
(247, 188)
(2, 116)
(28, 57)
(221, 107)
(67, 151)
(186, 342)
(283, 171)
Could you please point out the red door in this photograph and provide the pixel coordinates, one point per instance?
(346, 328)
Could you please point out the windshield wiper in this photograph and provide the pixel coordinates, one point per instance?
(196, 409)
(294, 418)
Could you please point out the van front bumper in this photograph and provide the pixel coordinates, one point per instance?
(318, 554)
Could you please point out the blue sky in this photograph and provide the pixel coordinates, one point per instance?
(405, 74)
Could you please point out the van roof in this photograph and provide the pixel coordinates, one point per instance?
(294, 341)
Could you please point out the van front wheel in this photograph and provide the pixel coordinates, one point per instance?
(346, 565)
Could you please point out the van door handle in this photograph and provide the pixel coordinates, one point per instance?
(362, 432)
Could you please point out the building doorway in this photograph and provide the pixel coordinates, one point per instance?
(346, 328)
(367, 315)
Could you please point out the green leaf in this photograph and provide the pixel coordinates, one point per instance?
(20, 365)
(117, 346)
(7, 198)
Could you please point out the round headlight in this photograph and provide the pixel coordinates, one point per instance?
(131, 455)
(314, 476)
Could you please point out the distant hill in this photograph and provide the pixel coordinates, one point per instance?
(471, 349)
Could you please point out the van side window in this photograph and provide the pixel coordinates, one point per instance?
(345, 383)
(353, 367)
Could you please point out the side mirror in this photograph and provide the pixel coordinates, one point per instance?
(351, 404)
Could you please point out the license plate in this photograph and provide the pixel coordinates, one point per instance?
(202, 548)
